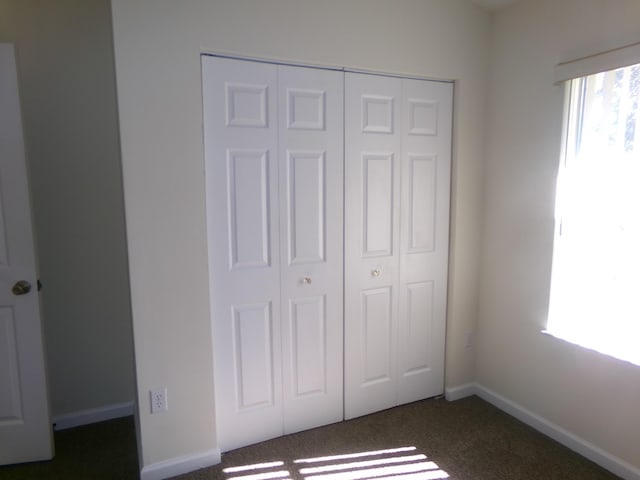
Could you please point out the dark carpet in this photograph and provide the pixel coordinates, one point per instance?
(464, 440)
(100, 451)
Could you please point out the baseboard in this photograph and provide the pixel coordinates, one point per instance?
(180, 465)
(93, 415)
(461, 391)
(610, 462)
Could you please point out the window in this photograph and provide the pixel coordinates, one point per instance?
(595, 288)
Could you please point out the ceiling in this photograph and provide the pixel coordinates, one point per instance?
(494, 4)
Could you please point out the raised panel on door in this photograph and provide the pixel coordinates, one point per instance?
(424, 227)
(421, 170)
(253, 356)
(378, 353)
(248, 208)
(377, 204)
(416, 358)
(306, 215)
(311, 247)
(241, 166)
(372, 201)
(10, 396)
(308, 326)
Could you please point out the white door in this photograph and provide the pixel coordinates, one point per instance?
(273, 148)
(25, 427)
(397, 178)
(310, 112)
(424, 237)
(372, 195)
(241, 150)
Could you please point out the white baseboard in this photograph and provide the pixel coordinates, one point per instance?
(93, 415)
(180, 465)
(461, 391)
(606, 460)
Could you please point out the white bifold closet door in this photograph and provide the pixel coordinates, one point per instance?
(397, 184)
(274, 182)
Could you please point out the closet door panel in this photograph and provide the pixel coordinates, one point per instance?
(241, 163)
(311, 138)
(306, 212)
(252, 345)
(372, 189)
(377, 204)
(397, 167)
(377, 324)
(424, 239)
(421, 202)
(248, 208)
(308, 330)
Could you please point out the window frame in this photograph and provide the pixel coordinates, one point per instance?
(575, 106)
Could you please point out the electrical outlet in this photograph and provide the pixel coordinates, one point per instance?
(469, 339)
(158, 397)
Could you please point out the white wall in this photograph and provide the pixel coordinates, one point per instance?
(66, 72)
(157, 48)
(586, 393)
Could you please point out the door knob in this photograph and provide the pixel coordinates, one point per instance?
(21, 287)
(376, 272)
(306, 280)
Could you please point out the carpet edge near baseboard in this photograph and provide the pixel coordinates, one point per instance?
(461, 391)
(180, 465)
(92, 415)
(588, 450)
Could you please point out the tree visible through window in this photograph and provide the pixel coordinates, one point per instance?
(595, 288)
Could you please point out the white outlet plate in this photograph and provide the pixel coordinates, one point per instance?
(158, 399)
(469, 338)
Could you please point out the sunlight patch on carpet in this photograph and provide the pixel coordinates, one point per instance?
(282, 474)
(389, 464)
(366, 463)
(355, 455)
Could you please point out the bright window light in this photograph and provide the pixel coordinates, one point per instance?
(595, 287)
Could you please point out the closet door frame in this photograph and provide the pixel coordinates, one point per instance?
(277, 310)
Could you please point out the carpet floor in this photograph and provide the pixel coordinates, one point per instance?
(100, 451)
(468, 439)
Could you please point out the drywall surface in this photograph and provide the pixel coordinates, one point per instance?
(157, 51)
(591, 395)
(67, 84)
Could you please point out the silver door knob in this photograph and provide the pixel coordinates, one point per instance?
(376, 272)
(306, 280)
(21, 287)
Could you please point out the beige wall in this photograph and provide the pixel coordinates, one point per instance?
(586, 393)
(66, 73)
(157, 49)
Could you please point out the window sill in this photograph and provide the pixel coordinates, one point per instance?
(620, 347)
